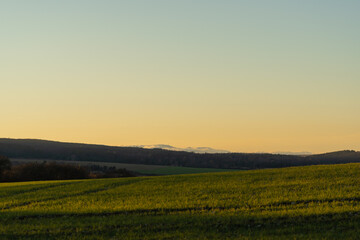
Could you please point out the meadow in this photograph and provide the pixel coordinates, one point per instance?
(313, 202)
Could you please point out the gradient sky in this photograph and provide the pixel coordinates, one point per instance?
(244, 76)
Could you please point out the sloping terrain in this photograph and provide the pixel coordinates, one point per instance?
(137, 168)
(41, 149)
(316, 202)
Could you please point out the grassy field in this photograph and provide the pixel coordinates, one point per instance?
(317, 202)
(140, 168)
(183, 170)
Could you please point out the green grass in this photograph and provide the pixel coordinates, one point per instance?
(183, 170)
(317, 202)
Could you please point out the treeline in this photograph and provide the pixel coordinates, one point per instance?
(44, 171)
(54, 171)
(40, 149)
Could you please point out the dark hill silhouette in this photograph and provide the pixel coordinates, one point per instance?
(339, 154)
(337, 157)
(43, 149)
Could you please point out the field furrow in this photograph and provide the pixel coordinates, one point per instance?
(305, 202)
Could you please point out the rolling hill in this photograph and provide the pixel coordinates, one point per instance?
(313, 202)
(42, 149)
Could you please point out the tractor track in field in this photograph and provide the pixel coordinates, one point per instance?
(97, 190)
(34, 189)
(309, 201)
(162, 212)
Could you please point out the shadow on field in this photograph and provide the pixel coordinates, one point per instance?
(36, 188)
(305, 202)
(165, 211)
(96, 190)
(182, 225)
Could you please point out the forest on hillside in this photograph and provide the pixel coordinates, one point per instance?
(41, 149)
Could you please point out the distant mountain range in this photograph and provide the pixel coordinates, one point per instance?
(210, 150)
(188, 149)
(165, 155)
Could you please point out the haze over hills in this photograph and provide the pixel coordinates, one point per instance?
(210, 150)
(43, 149)
(187, 149)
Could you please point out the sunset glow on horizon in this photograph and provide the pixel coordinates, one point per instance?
(244, 76)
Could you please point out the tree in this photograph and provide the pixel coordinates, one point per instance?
(4, 164)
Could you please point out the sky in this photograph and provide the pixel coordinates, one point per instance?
(245, 76)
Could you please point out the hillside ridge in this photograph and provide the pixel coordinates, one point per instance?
(46, 149)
